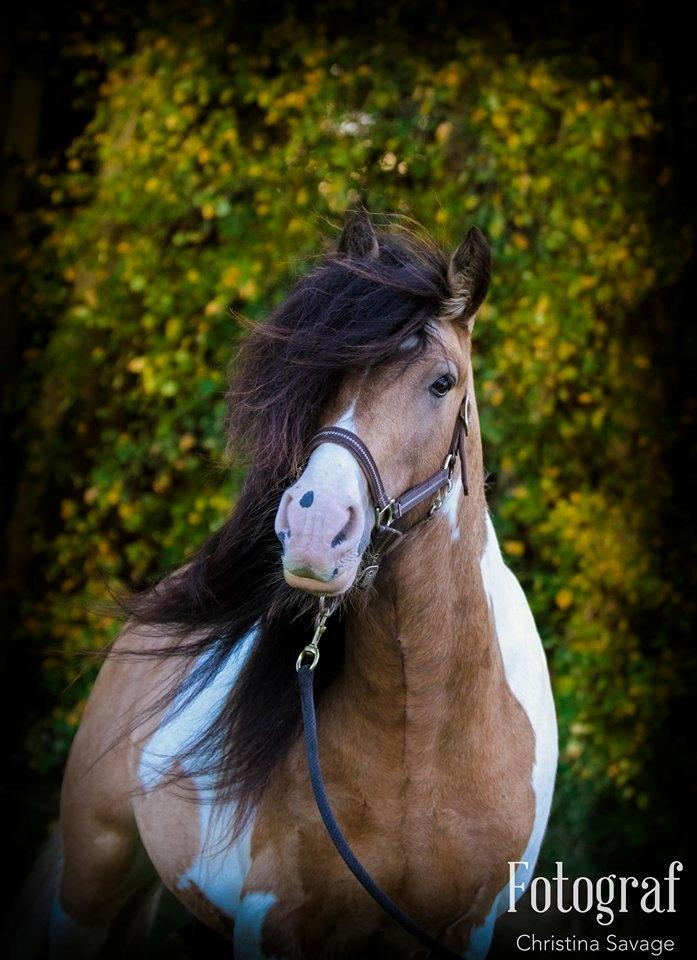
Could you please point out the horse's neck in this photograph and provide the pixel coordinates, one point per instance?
(423, 649)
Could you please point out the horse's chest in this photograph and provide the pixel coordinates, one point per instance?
(433, 817)
(435, 836)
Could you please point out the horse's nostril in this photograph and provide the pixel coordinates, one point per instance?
(339, 538)
(347, 530)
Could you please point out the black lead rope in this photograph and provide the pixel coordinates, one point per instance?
(307, 700)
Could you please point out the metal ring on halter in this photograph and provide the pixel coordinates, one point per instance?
(440, 498)
(467, 406)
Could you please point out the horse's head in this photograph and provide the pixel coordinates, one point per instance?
(403, 408)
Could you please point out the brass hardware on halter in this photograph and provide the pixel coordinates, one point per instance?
(439, 499)
(465, 409)
(385, 517)
(367, 575)
(312, 648)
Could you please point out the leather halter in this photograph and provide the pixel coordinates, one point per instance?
(389, 509)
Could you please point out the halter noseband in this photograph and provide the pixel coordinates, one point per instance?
(388, 509)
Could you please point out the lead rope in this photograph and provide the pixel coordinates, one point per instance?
(305, 673)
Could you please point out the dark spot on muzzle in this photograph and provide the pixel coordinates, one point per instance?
(307, 499)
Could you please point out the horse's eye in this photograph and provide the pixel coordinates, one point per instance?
(442, 385)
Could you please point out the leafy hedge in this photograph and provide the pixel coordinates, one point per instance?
(207, 176)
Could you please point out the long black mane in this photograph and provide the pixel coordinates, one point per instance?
(344, 315)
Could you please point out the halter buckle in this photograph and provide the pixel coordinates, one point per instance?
(384, 517)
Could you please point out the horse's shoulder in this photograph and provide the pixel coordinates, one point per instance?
(136, 663)
(121, 707)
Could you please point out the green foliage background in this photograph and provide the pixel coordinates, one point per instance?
(209, 172)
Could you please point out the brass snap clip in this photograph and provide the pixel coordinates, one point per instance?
(311, 649)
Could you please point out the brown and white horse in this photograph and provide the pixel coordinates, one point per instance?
(436, 721)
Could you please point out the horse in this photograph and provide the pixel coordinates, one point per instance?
(436, 721)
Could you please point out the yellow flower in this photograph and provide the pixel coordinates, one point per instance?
(443, 131)
(564, 599)
(162, 483)
(248, 290)
(231, 276)
(67, 509)
(516, 548)
(580, 229)
(137, 364)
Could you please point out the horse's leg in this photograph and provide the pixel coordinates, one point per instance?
(103, 861)
(99, 876)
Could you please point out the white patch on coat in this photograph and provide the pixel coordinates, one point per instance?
(249, 923)
(189, 717)
(527, 674)
(451, 508)
(220, 869)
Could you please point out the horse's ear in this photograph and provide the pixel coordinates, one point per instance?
(358, 238)
(469, 275)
